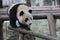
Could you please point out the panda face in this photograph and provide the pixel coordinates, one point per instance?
(24, 15)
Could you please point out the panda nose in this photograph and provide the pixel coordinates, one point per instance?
(26, 19)
(30, 23)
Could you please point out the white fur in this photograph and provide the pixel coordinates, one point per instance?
(25, 9)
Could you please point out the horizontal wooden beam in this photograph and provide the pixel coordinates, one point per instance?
(37, 14)
(43, 36)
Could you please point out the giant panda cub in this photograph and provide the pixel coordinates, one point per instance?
(22, 14)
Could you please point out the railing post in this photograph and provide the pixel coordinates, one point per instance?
(1, 29)
(52, 24)
(28, 2)
(0, 3)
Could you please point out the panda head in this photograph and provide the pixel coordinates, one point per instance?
(24, 15)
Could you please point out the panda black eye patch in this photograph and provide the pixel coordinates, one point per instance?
(21, 13)
(30, 11)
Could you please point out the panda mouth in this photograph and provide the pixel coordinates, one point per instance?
(29, 22)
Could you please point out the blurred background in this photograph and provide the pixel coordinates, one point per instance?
(34, 2)
(38, 26)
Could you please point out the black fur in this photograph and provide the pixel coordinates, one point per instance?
(24, 26)
(30, 11)
(12, 15)
(26, 19)
(21, 13)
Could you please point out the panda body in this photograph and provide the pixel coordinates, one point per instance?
(22, 14)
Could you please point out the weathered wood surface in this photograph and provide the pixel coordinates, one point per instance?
(37, 14)
(52, 25)
(34, 34)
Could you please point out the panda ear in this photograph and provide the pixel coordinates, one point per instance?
(30, 11)
(21, 13)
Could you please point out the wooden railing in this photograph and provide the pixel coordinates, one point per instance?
(49, 14)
